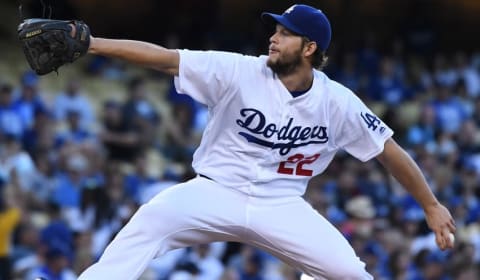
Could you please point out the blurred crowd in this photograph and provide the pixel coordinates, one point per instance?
(71, 175)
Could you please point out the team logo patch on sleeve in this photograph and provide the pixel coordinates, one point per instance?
(373, 122)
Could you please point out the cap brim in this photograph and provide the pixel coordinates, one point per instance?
(272, 19)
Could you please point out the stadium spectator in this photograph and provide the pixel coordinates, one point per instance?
(29, 99)
(74, 100)
(10, 118)
(10, 214)
(122, 143)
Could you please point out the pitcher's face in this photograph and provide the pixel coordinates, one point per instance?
(285, 51)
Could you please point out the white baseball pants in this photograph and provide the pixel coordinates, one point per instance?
(203, 211)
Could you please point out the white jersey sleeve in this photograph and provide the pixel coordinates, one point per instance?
(206, 75)
(361, 133)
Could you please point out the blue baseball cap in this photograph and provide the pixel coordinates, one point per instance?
(305, 21)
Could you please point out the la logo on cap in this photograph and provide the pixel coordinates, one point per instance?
(290, 9)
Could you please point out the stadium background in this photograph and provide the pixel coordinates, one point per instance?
(79, 151)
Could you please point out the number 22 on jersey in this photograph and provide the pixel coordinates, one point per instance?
(296, 164)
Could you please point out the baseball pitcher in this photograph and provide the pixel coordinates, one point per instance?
(275, 121)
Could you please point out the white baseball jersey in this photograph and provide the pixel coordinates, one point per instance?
(267, 144)
(262, 140)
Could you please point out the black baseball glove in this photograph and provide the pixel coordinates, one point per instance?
(49, 44)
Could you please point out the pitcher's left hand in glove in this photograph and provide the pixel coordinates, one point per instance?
(49, 44)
